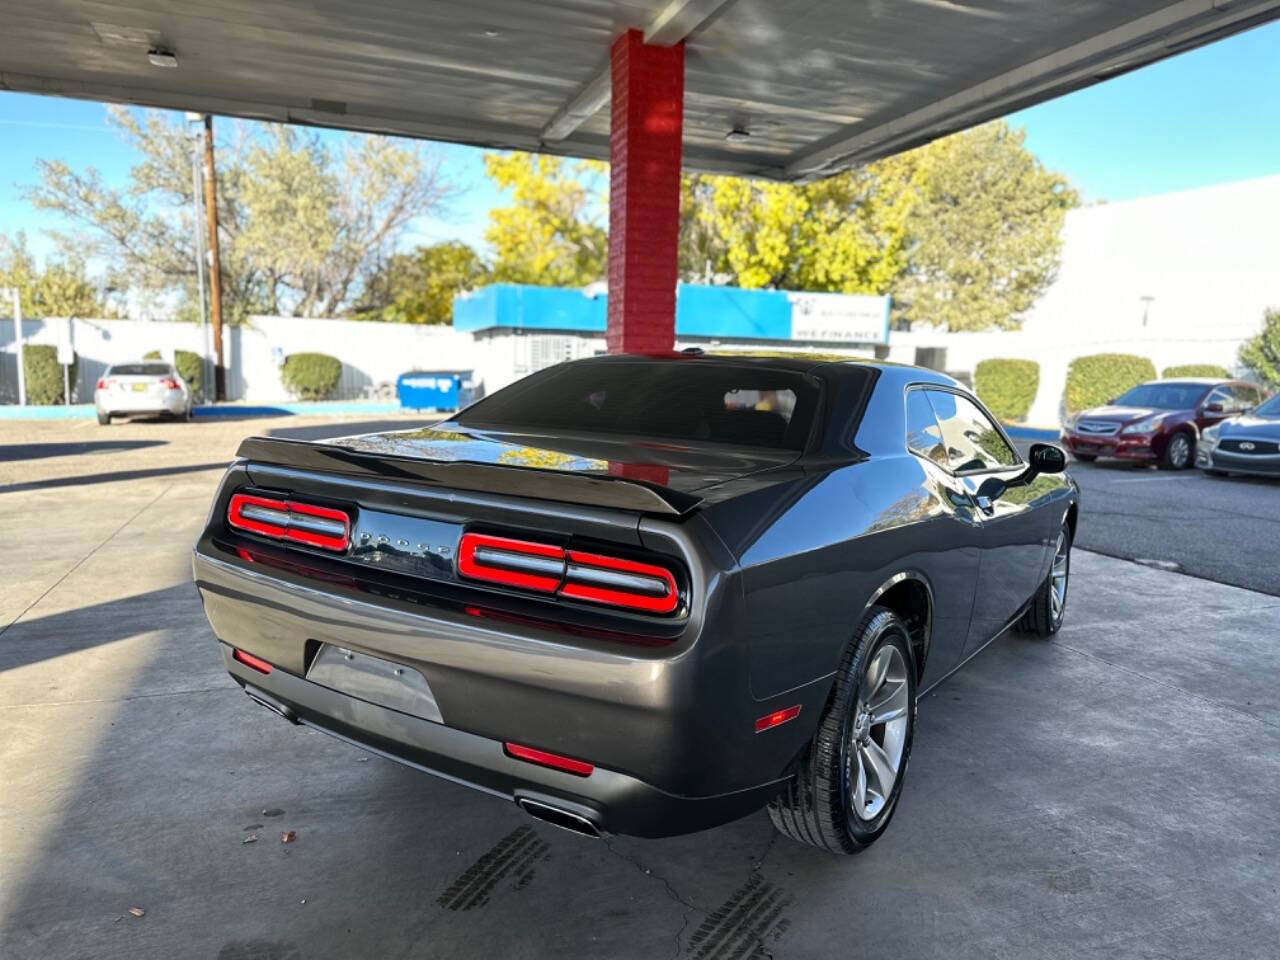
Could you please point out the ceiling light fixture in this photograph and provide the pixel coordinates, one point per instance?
(159, 57)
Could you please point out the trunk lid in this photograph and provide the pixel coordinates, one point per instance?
(628, 474)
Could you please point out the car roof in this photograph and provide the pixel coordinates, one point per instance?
(826, 365)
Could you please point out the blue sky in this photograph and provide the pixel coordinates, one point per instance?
(1208, 116)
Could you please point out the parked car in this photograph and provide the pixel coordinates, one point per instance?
(1159, 421)
(142, 387)
(1249, 443)
(644, 595)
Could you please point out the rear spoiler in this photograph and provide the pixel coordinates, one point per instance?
(597, 490)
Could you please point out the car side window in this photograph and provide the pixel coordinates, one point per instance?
(1245, 398)
(972, 440)
(923, 434)
(1220, 395)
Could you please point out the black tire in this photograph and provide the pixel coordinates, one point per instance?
(1179, 452)
(104, 419)
(817, 807)
(1216, 473)
(1085, 457)
(1041, 618)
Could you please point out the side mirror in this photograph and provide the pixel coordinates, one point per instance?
(1041, 458)
(1047, 458)
(1214, 407)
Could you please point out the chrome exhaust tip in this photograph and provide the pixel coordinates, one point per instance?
(271, 703)
(559, 817)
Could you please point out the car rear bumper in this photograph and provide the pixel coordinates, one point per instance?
(125, 402)
(671, 736)
(1124, 448)
(609, 801)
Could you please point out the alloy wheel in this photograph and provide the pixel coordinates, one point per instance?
(878, 733)
(1179, 451)
(1061, 570)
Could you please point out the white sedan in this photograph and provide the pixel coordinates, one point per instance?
(144, 387)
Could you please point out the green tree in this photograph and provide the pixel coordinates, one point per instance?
(552, 233)
(985, 231)
(419, 287)
(61, 289)
(845, 234)
(1261, 354)
(301, 223)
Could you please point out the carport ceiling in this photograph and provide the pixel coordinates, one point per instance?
(816, 84)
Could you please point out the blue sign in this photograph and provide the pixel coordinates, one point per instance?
(725, 313)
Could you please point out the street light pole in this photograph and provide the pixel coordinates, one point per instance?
(215, 268)
(207, 373)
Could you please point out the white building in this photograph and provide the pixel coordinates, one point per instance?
(1180, 278)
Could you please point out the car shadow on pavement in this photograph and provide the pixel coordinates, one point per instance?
(30, 640)
(10, 452)
(110, 476)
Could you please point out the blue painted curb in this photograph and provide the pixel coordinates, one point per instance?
(86, 411)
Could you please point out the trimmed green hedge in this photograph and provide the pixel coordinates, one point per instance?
(311, 376)
(1095, 379)
(189, 365)
(43, 374)
(1197, 370)
(1007, 387)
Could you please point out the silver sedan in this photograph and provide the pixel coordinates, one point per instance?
(145, 387)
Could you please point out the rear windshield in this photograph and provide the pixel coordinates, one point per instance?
(659, 399)
(1164, 396)
(140, 370)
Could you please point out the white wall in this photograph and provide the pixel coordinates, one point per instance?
(371, 353)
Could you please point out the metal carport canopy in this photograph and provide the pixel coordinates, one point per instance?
(816, 84)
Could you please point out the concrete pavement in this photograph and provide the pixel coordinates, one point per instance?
(1111, 793)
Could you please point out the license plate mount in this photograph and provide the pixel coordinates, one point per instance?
(375, 680)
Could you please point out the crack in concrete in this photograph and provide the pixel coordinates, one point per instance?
(672, 893)
(79, 563)
(1168, 684)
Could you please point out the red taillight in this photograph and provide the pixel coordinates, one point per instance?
(569, 573)
(620, 583)
(249, 660)
(171, 383)
(777, 718)
(102, 385)
(306, 523)
(579, 768)
(514, 563)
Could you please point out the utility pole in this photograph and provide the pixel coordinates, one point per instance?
(215, 269)
(207, 375)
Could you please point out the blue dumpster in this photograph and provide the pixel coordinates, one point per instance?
(434, 389)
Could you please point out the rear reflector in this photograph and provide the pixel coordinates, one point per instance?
(777, 718)
(250, 661)
(554, 760)
(306, 523)
(546, 568)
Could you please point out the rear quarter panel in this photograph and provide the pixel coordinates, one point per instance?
(811, 557)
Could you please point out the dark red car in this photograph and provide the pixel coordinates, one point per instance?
(1158, 422)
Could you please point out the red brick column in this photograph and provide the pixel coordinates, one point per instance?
(644, 193)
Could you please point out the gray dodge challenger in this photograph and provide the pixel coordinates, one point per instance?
(644, 594)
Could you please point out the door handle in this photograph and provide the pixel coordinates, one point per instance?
(985, 505)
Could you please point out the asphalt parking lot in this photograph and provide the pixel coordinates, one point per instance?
(1222, 528)
(1108, 793)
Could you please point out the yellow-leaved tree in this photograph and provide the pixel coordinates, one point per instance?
(554, 231)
